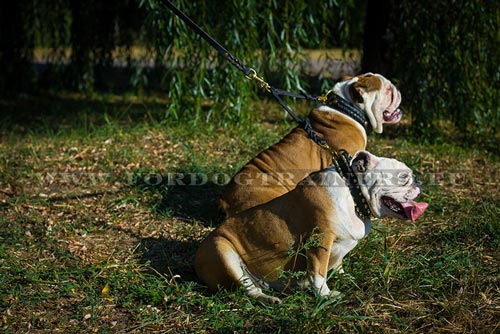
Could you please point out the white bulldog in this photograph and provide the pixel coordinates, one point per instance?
(285, 164)
(294, 240)
(380, 108)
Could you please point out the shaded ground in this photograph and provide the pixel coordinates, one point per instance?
(93, 238)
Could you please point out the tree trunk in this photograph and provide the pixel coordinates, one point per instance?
(376, 51)
(16, 47)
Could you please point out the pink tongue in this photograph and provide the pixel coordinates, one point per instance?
(414, 210)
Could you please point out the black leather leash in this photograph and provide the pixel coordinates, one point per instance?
(216, 45)
(341, 159)
(330, 98)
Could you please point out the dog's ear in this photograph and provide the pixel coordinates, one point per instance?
(365, 83)
(363, 160)
(345, 78)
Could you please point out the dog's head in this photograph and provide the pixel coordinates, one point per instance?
(389, 186)
(376, 95)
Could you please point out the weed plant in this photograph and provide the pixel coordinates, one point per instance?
(89, 244)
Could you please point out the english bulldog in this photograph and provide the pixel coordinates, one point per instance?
(295, 239)
(282, 166)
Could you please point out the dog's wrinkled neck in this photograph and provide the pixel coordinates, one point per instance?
(366, 222)
(343, 89)
(343, 182)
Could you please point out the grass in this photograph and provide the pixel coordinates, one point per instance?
(94, 238)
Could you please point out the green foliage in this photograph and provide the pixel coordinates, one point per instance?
(445, 55)
(86, 35)
(448, 56)
(99, 32)
(268, 36)
(78, 42)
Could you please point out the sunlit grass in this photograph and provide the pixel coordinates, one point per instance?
(81, 209)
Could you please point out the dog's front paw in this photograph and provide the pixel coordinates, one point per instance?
(330, 295)
(270, 299)
(257, 293)
(333, 294)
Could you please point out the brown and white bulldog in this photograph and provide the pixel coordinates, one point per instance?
(294, 240)
(282, 166)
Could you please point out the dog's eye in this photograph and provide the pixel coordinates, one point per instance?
(404, 178)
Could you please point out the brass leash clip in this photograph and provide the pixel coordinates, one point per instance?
(262, 83)
(324, 98)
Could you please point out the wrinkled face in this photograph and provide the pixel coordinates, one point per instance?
(389, 186)
(376, 95)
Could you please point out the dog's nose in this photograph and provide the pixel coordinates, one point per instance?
(413, 193)
(417, 182)
(417, 189)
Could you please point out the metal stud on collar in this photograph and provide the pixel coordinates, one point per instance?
(341, 160)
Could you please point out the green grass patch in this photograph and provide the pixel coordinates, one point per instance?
(95, 236)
